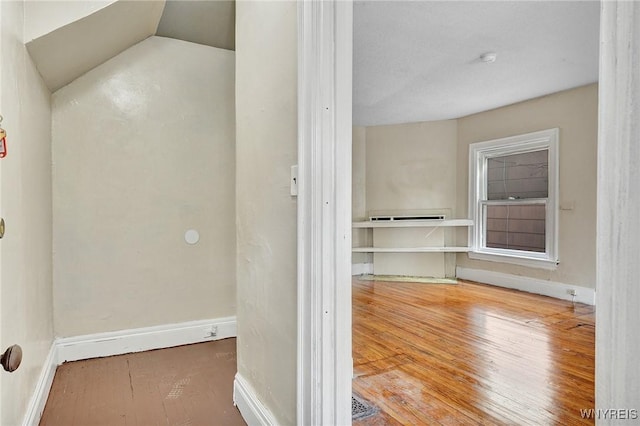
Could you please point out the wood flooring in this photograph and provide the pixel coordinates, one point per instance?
(471, 354)
(186, 385)
(424, 354)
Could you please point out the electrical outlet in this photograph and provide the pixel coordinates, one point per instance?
(572, 292)
(211, 331)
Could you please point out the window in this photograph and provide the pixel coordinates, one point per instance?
(513, 199)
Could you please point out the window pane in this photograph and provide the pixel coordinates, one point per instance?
(516, 227)
(518, 176)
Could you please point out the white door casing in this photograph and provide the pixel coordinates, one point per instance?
(325, 366)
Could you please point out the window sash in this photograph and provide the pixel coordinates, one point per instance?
(522, 175)
(479, 153)
(483, 204)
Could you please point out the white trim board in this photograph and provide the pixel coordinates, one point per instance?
(41, 392)
(118, 343)
(251, 408)
(361, 269)
(143, 339)
(324, 368)
(530, 285)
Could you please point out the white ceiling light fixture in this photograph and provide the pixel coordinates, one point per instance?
(489, 57)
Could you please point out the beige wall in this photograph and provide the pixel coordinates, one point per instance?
(25, 204)
(411, 166)
(575, 113)
(143, 150)
(360, 237)
(418, 166)
(266, 128)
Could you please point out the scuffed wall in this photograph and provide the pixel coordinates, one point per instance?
(25, 204)
(266, 110)
(143, 150)
(575, 113)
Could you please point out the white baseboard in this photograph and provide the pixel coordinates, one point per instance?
(143, 339)
(530, 285)
(253, 411)
(121, 342)
(41, 392)
(361, 269)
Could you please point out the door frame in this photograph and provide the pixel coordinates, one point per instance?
(325, 367)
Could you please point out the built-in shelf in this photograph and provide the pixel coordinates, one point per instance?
(410, 249)
(412, 223)
(433, 223)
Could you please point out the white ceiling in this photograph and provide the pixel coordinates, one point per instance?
(419, 60)
(413, 60)
(68, 38)
(67, 52)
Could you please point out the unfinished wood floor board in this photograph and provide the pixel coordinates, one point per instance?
(440, 354)
(186, 385)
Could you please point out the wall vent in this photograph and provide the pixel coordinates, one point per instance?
(391, 218)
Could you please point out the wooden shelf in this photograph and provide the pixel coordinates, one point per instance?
(410, 249)
(412, 223)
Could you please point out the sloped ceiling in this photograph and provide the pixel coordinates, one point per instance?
(67, 39)
(204, 22)
(66, 53)
(419, 60)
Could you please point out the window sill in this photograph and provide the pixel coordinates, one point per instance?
(515, 260)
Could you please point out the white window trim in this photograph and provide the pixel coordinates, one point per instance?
(478, 153)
